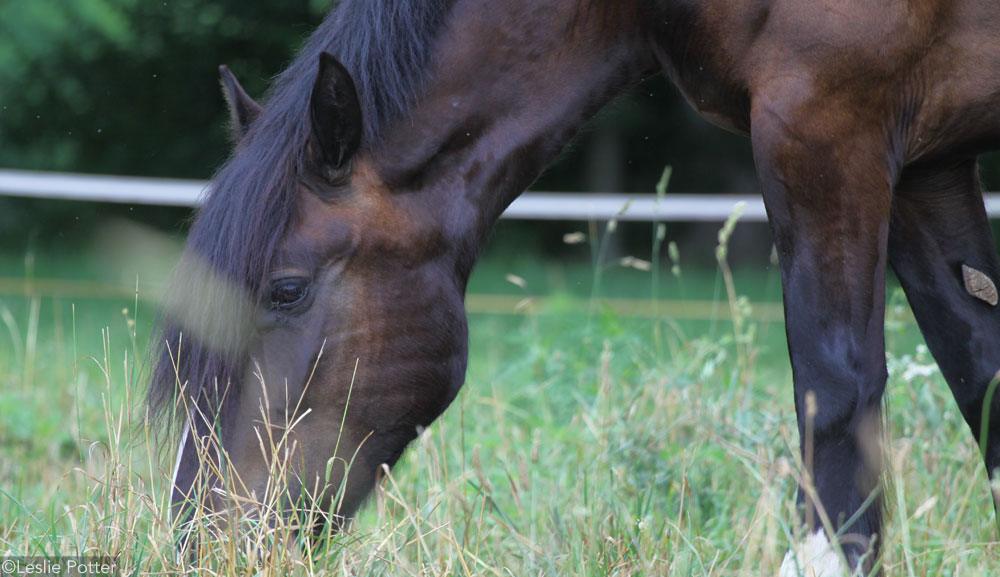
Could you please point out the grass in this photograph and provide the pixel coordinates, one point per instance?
(584, 442)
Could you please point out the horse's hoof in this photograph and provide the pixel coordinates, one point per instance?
(814, 557)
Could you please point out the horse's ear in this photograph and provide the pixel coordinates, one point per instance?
(242, 109)
(335, 113)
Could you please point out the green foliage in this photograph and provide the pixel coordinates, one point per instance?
(128, 87)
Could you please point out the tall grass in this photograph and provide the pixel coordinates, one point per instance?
(584, 443)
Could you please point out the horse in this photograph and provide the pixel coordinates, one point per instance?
(334, 249)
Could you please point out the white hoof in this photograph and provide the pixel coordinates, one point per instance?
(814, 557)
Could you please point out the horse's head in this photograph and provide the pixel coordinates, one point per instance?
(351, 320)
(324, 325)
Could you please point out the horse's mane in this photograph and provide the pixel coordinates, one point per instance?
(386, 45)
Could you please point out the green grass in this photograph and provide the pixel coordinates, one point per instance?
(584, 442)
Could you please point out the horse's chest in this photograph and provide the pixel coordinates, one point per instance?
(719, 105)
(714, 95)
(697, 57)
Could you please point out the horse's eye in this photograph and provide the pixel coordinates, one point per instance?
(286, 293)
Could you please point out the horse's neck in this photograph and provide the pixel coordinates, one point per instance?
(514, 81)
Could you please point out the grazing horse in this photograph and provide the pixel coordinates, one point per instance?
(338, 239)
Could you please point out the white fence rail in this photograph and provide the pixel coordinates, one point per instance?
(530, 205)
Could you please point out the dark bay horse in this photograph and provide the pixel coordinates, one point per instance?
(361, 190)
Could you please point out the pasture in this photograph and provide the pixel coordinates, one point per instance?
(593, 436)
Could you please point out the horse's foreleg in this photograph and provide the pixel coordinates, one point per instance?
(827, 189)
(942, 249)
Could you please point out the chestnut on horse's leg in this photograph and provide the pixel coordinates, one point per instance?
(942, 249)
(827, 187)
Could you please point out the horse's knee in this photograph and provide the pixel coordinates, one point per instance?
(837, 393)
